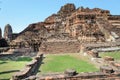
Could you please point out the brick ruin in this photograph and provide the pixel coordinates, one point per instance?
(8, 32)
(30, 69)
(106, 72)
(60, 46)
(70, 30)
(81, 24)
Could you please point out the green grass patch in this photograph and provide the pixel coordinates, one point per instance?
(8, 68)
(59, 63)
(24, 59)
(115, 55)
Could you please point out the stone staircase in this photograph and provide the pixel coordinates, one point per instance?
(107, 29)
(115, 22)
(103, 46)
(116, 26)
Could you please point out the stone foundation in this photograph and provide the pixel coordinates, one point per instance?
(102, 75)
(60, 47)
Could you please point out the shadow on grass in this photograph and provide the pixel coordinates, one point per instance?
(39, 71)
(5, 72)
(24, 59)
(41, 64)
(3, 62)
(5, 79)
(21, 58)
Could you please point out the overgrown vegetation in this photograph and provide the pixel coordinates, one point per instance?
(59, 63)
(3, 43)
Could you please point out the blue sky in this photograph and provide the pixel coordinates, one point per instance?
(20, 13)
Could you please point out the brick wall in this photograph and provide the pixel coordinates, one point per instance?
(60, 47)
(30, 69)
(82, 76)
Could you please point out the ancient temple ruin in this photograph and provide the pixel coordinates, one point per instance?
(68, 25)
(71, 30)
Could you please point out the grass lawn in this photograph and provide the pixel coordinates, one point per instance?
(59, 63)
(115, 55)
(9, 67)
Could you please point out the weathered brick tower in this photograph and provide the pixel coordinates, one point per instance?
(8, 32)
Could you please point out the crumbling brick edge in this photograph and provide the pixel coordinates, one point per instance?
(30, 69)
